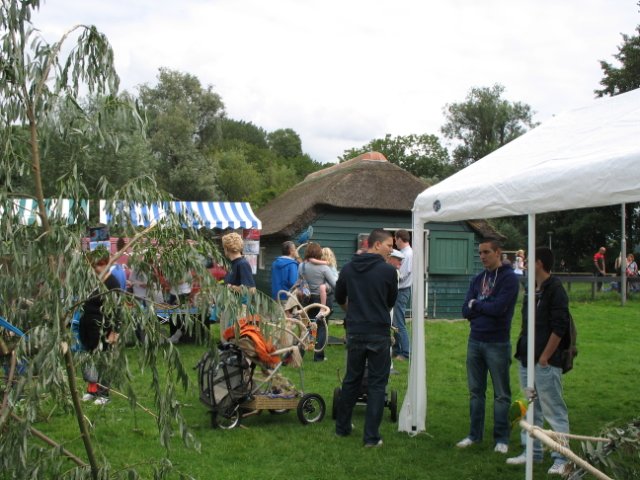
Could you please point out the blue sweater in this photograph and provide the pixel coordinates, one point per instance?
(495, 294)
(284, 274)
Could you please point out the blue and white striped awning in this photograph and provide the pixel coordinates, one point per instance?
(221, 215)
(26, 210)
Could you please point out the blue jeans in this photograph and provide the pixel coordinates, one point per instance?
(370, 352)
(549, 405)
(493, 358)
(402, 346)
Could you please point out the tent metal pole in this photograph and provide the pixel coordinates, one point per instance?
(531, 331)
(623, 260)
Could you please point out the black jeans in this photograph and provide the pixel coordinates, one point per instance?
(370, 352)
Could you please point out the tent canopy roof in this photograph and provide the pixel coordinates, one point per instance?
(586, 157)
(221, 215)
(25, 210)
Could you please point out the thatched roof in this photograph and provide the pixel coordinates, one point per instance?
(367, 182)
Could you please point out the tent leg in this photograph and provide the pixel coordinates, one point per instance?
(531, 332)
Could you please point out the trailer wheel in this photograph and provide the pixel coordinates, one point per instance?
(311, 408)
(225, 422)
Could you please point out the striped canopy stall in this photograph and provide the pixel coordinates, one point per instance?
(211, 215)
(26, 210)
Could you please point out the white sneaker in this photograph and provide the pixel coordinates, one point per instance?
(519, 460)
(558, 468)
(465, 442)
(87, 397)
(101, 401)
(501, 448)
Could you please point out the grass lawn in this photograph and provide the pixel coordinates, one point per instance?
(601, 390)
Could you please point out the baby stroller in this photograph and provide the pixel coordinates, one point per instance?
(390, 399)
(242, 377)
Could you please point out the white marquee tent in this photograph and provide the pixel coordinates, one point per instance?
(586, 157)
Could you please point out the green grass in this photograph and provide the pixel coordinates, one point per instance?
(601, 390)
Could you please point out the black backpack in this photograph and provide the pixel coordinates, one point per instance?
(568, 346)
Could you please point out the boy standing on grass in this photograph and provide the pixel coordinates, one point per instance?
(366, 290)
(552, 324)
(98, 330)
(489, 306)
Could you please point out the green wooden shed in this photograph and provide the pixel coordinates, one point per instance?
(346, 201)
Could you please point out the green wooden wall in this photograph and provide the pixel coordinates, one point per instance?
(448, 282)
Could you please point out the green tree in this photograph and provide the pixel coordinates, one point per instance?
(184, 128)
(99, 139)
(273, 162)
(45, 276)
(285, 142)
(420, 155)
(237, 178)
(626, 77)
(483, 123)
(246, 132)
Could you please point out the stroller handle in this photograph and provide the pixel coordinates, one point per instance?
(324, 310)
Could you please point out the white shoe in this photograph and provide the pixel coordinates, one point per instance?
(101, 401)
(519, 460)
(501, 448)
(465, 442)
(558, 468)
(87, 397)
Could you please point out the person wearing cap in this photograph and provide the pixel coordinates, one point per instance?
(396, 259)
(402, 347)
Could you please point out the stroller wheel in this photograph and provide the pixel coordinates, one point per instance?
(225, 422)
(336, 400)
(311, 408)
(393, 406)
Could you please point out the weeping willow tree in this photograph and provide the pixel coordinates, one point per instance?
(45, 276)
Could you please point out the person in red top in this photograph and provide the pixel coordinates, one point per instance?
(600, 265)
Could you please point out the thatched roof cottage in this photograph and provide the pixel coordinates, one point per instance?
(346, 201)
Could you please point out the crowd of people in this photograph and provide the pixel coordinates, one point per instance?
(373, 289)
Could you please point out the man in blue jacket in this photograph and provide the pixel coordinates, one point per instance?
(284, 271)
(489, 306)
(366, 290)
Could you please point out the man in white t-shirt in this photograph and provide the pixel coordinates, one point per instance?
(402, 347)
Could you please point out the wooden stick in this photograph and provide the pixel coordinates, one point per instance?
(137, 404)
(540, 434)
(49, 441)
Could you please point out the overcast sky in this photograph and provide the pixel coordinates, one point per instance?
(342, 72)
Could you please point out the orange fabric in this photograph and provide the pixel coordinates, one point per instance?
(249, 329)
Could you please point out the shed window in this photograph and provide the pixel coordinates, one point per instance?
(451, 253)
